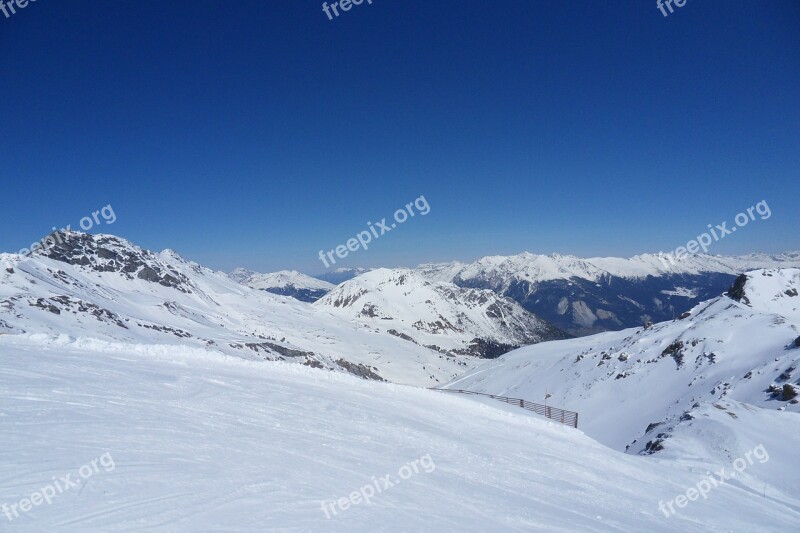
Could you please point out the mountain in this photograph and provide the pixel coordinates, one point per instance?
(585, 296)
(441, 316)
(141, 376)
(104, 293)
(712, 383)
(286, 283)
(189, 441)
(340, 275)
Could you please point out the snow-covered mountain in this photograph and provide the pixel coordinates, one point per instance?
(103, 292)
(286, 283)
(442, 316)
(710, 383)
(142, 376)
(584, 296)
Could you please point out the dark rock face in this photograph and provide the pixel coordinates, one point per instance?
(615, 303)
(797, 342)
(401, 335)
(789, 392)
(270, 348)
(654, 446)
(673, 348)
(486, 348)
(110, 254)
(57, 304)
(360, 370)
(676, 351)
(347, 301)
(41, 303)
(148, 274)
(736, 292)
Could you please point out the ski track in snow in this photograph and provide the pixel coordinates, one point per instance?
(204, 443)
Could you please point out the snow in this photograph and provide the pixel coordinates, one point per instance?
(192, 392)
(280, 280)
(503, 270)
(201, 442)
(729, 353)
(433, 313)
(207, 309)
(681, 291)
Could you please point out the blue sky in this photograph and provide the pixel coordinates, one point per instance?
(255, 133)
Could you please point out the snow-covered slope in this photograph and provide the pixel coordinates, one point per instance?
(584, 296)
(442, 316)
(103, 291)
(184, 440)
(698, 386)
(286, 283)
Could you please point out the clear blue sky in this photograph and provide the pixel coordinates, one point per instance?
(255, 133)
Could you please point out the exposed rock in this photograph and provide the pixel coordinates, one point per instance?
(277, 348)
(401, 335)
(486, 349)
(166, 329)
(736, 291)
(106, 253)
(653, 446)
(676, 351)
(359, 370)
(41, 303)
(786, 375)
(652, 426)
(789, 392)
(313, 363)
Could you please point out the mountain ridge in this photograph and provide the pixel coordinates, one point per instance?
(438, 315)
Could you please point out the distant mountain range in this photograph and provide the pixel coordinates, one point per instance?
(418, 326)
(715, 379)
(286, 283)
(103, 293)
(578, 296)
(585, 296)
(438, 315)
(711, 380)
(340, 275)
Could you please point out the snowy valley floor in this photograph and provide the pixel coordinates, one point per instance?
(194, 441)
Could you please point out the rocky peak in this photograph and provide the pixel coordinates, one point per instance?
(107, 253)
